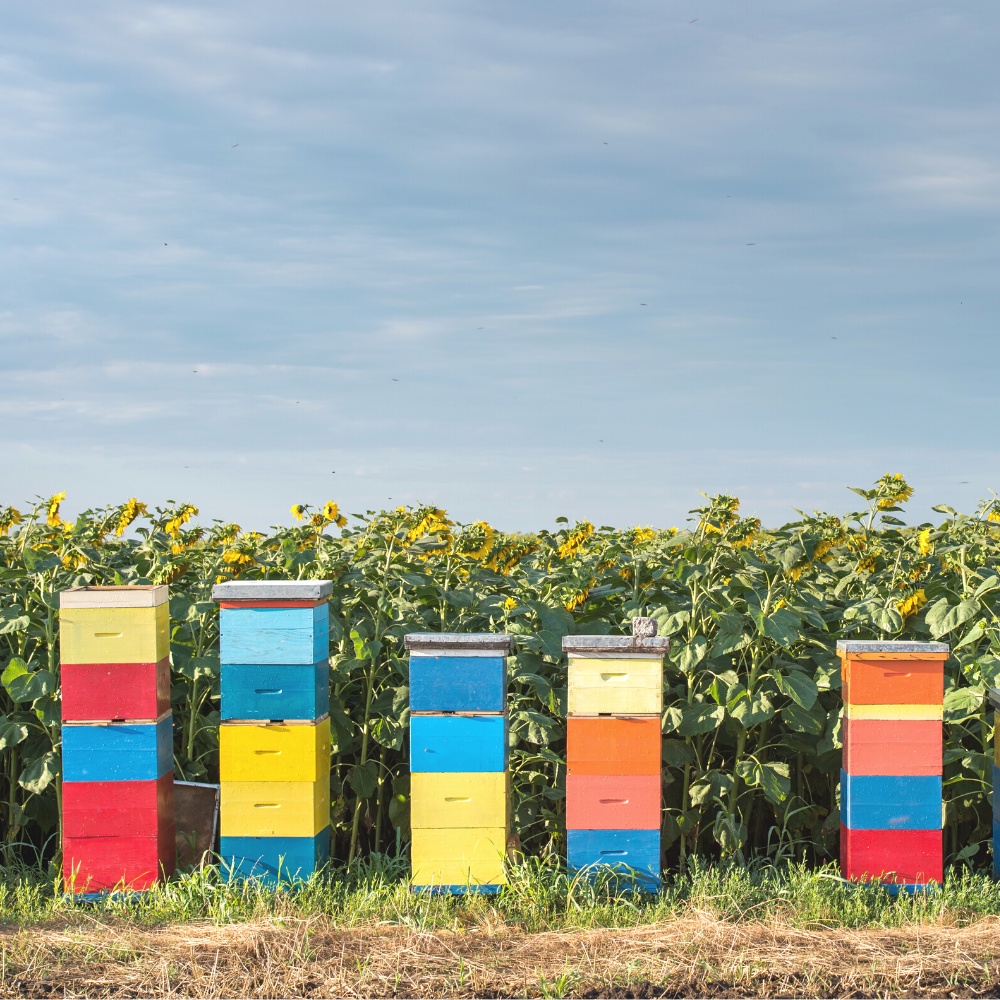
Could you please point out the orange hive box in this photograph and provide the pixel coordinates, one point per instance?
(892, 673)
(893, 746)
(613, 746)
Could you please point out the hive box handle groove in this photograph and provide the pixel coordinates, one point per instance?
(614, 677)
(614, 852)
(457, 798)
(267, 805)
(261, 752)
(623, 801)
(107, 635)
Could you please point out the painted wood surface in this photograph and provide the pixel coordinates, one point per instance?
(892, 746)
(902, 857)
(274, 859)
(273, 808)
(613, 802)
(451, 743)
(270, 590)
(92, 864)
(889, 682)
(114, 635)
(996, 793)
(894, 711)
(268, 691)
(274, 752)
(627, 851)
(114, 597)
(893, 647)
(115, 690)
(237, 605)
(458, 857)
(436, 643)
(890, 802)
(613, 746)
(653, 646)
(459, 800)
(118, 808)
(619, 686)
(274, 635)
(458, 683)
(118, 752)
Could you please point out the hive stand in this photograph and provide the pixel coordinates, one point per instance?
(890, 784)
(459, 779)
(274, 738)
(613, 751)
(117, 738)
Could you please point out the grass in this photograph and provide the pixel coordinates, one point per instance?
(713, 931)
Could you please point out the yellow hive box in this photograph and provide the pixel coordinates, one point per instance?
(274, 751)
(458, 857)
(628, 685)
(911, 712)
(114, 635)
(460, 800)
(274, 808)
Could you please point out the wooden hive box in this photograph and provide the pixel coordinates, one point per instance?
(281, 751)
(443, 743)
(458, 672)
(614, 675)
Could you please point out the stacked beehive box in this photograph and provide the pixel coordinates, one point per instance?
(890, 785)
(995, 705)
(117, 738)
(613, 750)
(459, 782)
(274, 740)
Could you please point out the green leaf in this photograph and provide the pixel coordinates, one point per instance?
(364, 780)
(961, 703)
(974, 634)
(989, 584)
(943, 508)
(782, 627)
(729, 642)
(40, 773)
(692, 653)
(668, 622)
(701, 719)
(892, 520)
(792, 555)
(12, 733)
(25, 686)
(867, 494)
(771, 777)
(16, 668)
(752, 711)
(942, 618)
(800, 687)
(677, 753)
(888, 619)
(13, 619)
(831, 733)
(812, 721)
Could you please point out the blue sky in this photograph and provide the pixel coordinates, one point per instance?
(522, 260)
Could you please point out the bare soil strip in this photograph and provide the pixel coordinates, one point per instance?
(697, 956)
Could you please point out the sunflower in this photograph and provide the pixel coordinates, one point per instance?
(130, 511)
(576, 539)
(8, 518)
(52, 518)
(180, 518)
(892, 489)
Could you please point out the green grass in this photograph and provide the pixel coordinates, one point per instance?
(541, 897)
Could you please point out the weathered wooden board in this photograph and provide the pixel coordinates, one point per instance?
(900, 857)
(118, 808)
(93, 864)
(613, 746)
(618, 686)
(115, 690)
(464, 683)
(443, 643)
(633, 853)
(854, 647)
(274, 859)
(269, 691)
(114, 597)
(272, 590)
(274, 752)
(274, 808)
(890, 802)
(450, 743)
(114, 635)
(613, 802)
(274, 635)
(118, 751)
(459, 800)
(888, 682)
(892, 746)
(458, 857)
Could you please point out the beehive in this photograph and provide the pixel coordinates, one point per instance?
(613, 749)
(459, 781)
(890, 784)
(274, 739)
(117, 738)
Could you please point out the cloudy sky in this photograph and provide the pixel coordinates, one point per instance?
(522, 260)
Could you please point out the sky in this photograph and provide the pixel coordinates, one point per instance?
(519, 260)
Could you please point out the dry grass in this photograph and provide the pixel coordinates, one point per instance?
(695, 954)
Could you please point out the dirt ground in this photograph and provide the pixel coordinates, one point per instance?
(697, 956)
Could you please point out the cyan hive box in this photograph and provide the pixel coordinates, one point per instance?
(118, 751)
(274, 635)
(271, 691)
(274, 859)
(456, 743)
(458, 683)
(883, 802)
(632, 853)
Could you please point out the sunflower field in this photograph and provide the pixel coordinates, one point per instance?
(752, 719)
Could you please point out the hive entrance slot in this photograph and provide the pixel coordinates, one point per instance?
(614, 676)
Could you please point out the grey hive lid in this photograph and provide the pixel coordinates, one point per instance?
(149, 596)
(891, 646)
(272, 590)
(658, 644)
(433, 641)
